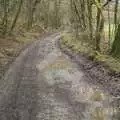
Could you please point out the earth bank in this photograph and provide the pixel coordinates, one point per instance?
(105, 77)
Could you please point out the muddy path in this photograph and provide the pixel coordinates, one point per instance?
(44, 84)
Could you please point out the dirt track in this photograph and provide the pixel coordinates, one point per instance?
(43, 84)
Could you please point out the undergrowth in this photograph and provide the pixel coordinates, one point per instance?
(79, 46)
(11, 44)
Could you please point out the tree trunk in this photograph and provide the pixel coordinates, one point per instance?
(29, 15)
(100, 26)
(115, 47)
(116, 44)
(31, 9)
(115, 14)
(16, 16)
(78, 15)
(89, 7)
(5, 18)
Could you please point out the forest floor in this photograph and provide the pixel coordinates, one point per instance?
(12, 45)
(45, 84)
(104, 68)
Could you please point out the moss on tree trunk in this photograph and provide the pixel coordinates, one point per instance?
(116, 44)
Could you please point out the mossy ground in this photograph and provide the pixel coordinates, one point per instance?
(78, 46)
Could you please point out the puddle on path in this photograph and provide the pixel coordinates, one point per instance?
(92, 102)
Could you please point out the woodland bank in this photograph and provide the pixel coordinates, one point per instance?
(100, 73)
(11, 46)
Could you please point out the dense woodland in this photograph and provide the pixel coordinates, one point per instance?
(97, 19)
